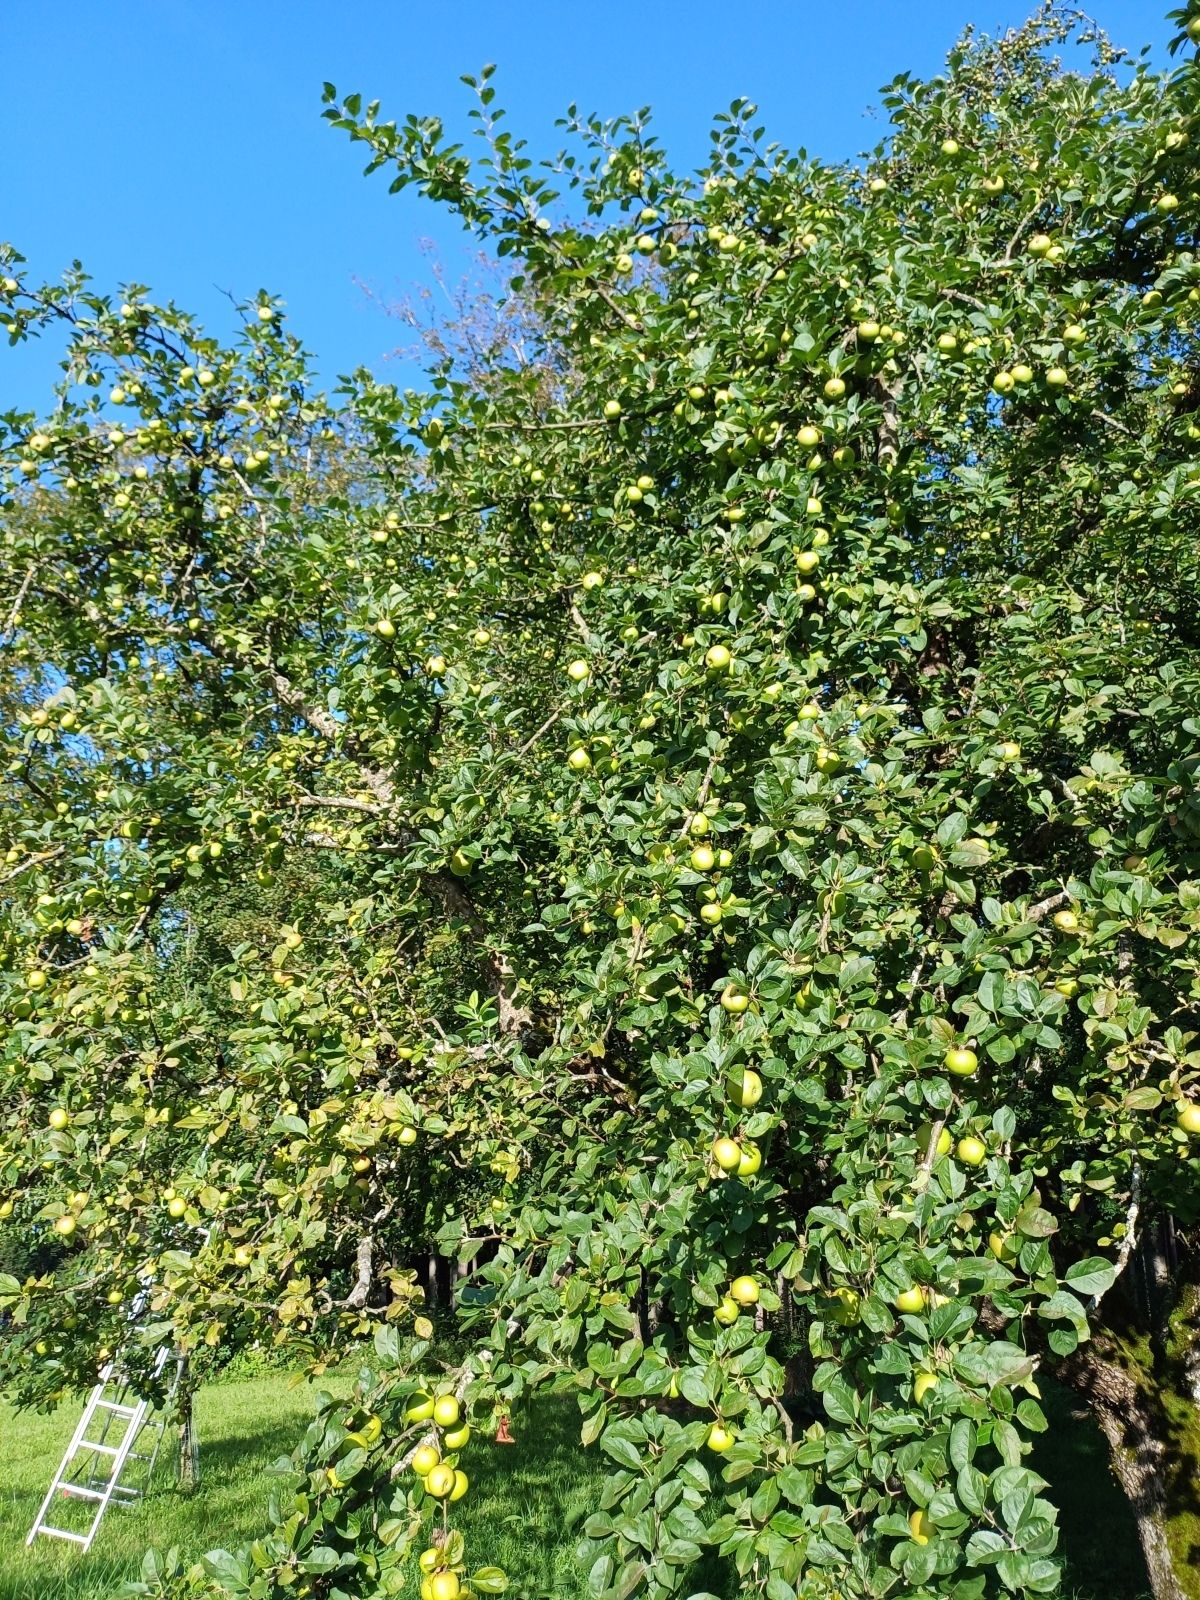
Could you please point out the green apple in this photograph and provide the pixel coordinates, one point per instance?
(578, 671)
(65, 1225)
(1041, 244)
(59, 1118)
(751, 1161)
(1003, 383)
(720, 1439)
(579, 760)
(834, 388)
(1188, 1117)
(1022, 373)
(745, 1290)
(717, 658)
(911, 1302)
(925, 1134)
(727, 1154)
(1058, 377)
(727, 1311)
(1003, 1248)
(703, 858)
(1010, 750)
(1066, 921)
(950, 147)
(924, 1383)
(972, 1152)
(747, 1090)
(446, 1410)
(961, 1062)
(612, 409)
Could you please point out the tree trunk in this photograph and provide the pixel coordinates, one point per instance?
(189, 1453)
(1140, 1456)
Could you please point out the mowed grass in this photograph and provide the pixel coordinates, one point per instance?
(243, 1427)
(525, 1511)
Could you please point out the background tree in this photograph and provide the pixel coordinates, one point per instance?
(743, 798)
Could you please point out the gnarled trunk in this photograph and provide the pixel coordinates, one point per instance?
(1140, 1455)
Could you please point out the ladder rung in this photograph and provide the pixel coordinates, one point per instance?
(113, 1405)
(61, 1533)
(71, 1490)
(104, 1449)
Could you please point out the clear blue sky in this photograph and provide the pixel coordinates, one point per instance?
(179, 143)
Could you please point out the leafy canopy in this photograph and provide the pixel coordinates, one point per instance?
(723, 791)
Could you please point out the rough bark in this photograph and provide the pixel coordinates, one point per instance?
(1140, 1455)
(189, 1454)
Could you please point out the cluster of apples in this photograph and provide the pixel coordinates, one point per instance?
(441, 1481)
(740, 1157)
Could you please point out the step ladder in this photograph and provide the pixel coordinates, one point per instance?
(115, 1430)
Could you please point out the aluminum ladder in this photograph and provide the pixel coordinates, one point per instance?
(101, 1462)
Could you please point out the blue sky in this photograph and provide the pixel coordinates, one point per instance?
(179, 143)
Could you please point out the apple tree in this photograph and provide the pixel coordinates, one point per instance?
(738, 768)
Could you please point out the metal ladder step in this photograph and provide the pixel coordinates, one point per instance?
(73, 1490)
(61, 1533)
(121, 1410)
(103, 1449)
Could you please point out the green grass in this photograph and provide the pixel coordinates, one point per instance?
(243, 1428)
(524, 1513)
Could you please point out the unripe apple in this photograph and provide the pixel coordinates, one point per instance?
(1021, 373)
(868, 331)
(827, 760)
(579, 760)
(1066, 921)
(702, 858)
(1002, 1247)
(445, 1585)
(720, 1439)
(1040, 244)
(65, 1225)
(439, 1481)
(1057, 377)
(744, 1290)
(1193, 29)
(726, 1311)
(1166, 202)
(920, 1527)
(1188, 1117)
(425, 1457)
(910, 1301)
(591, 580)
(419, 1409)
(727, 1153)
(747, 1090)
(950, 147)
(59, 1118)
(961, 1062)
(717, 658)
(972, 1152)
(924, 1136)
(1010, 750)
(993, 184)
(809, 436)
(751, 1161)
(612, 409)
(808, 560)
(578, 671)
(1004, 383)
(923, 1384)
(835, 388)
(446, 1410)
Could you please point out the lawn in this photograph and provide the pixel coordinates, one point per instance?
(524, 1513)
